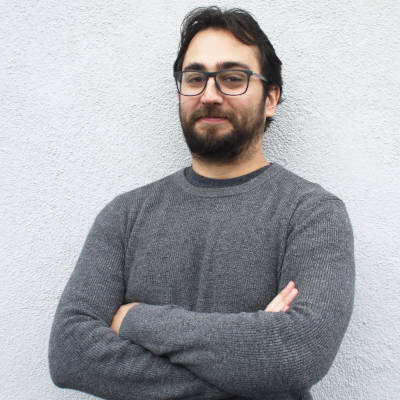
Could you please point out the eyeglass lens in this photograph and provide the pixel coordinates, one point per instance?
(230, 82)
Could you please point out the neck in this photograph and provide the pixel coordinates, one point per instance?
(242, 166)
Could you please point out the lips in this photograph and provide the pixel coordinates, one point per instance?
(213, 118)
(210, 116)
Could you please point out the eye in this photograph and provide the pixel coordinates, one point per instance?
(193, 78)
(233, 78)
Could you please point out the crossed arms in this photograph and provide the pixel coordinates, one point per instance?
(281, 302)
(216, 355)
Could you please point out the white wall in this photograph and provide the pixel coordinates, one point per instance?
(88, 110)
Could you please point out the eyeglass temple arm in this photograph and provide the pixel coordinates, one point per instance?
(260, 76)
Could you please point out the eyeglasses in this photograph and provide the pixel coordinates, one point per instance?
(232, 82)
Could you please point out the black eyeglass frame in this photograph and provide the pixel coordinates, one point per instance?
(178, 77)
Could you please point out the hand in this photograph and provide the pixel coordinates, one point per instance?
(120, 315)
(281, 301)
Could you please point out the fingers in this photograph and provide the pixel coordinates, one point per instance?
(282, 301)
(285, 291)
(291, 296)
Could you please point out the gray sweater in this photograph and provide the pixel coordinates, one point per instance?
(204, 262)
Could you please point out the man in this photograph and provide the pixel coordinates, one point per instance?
(229, 279)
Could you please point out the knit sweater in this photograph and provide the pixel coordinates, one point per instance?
(204, 262)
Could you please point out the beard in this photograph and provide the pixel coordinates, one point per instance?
(247, 128)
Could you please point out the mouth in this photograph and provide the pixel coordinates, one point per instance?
(213, 120)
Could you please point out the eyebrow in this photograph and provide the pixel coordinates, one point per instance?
(221, 65)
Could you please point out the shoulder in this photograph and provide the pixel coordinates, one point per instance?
(303, 200)
(311, 205)
(300, 190)
(120, 213)
(149, 193)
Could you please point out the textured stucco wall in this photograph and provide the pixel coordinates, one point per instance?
(88, 110)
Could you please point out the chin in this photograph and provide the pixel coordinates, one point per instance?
(213, 130)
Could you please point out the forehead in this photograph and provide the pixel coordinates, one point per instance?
(212, 47)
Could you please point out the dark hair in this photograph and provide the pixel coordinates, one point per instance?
(245, 28)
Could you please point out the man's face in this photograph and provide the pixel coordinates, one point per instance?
(219, 127)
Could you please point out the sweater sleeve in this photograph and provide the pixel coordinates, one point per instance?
(86, 354)
(259, 353)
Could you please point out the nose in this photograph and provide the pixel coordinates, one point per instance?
(211, 94)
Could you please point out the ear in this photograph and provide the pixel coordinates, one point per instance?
(271, 101)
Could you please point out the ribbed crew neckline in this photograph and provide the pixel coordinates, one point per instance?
(181, 180)
(199, 180)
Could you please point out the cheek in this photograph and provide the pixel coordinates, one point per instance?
(187, 105)
(189, 101)
(239, 107)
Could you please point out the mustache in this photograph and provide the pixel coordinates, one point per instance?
(210, 112)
